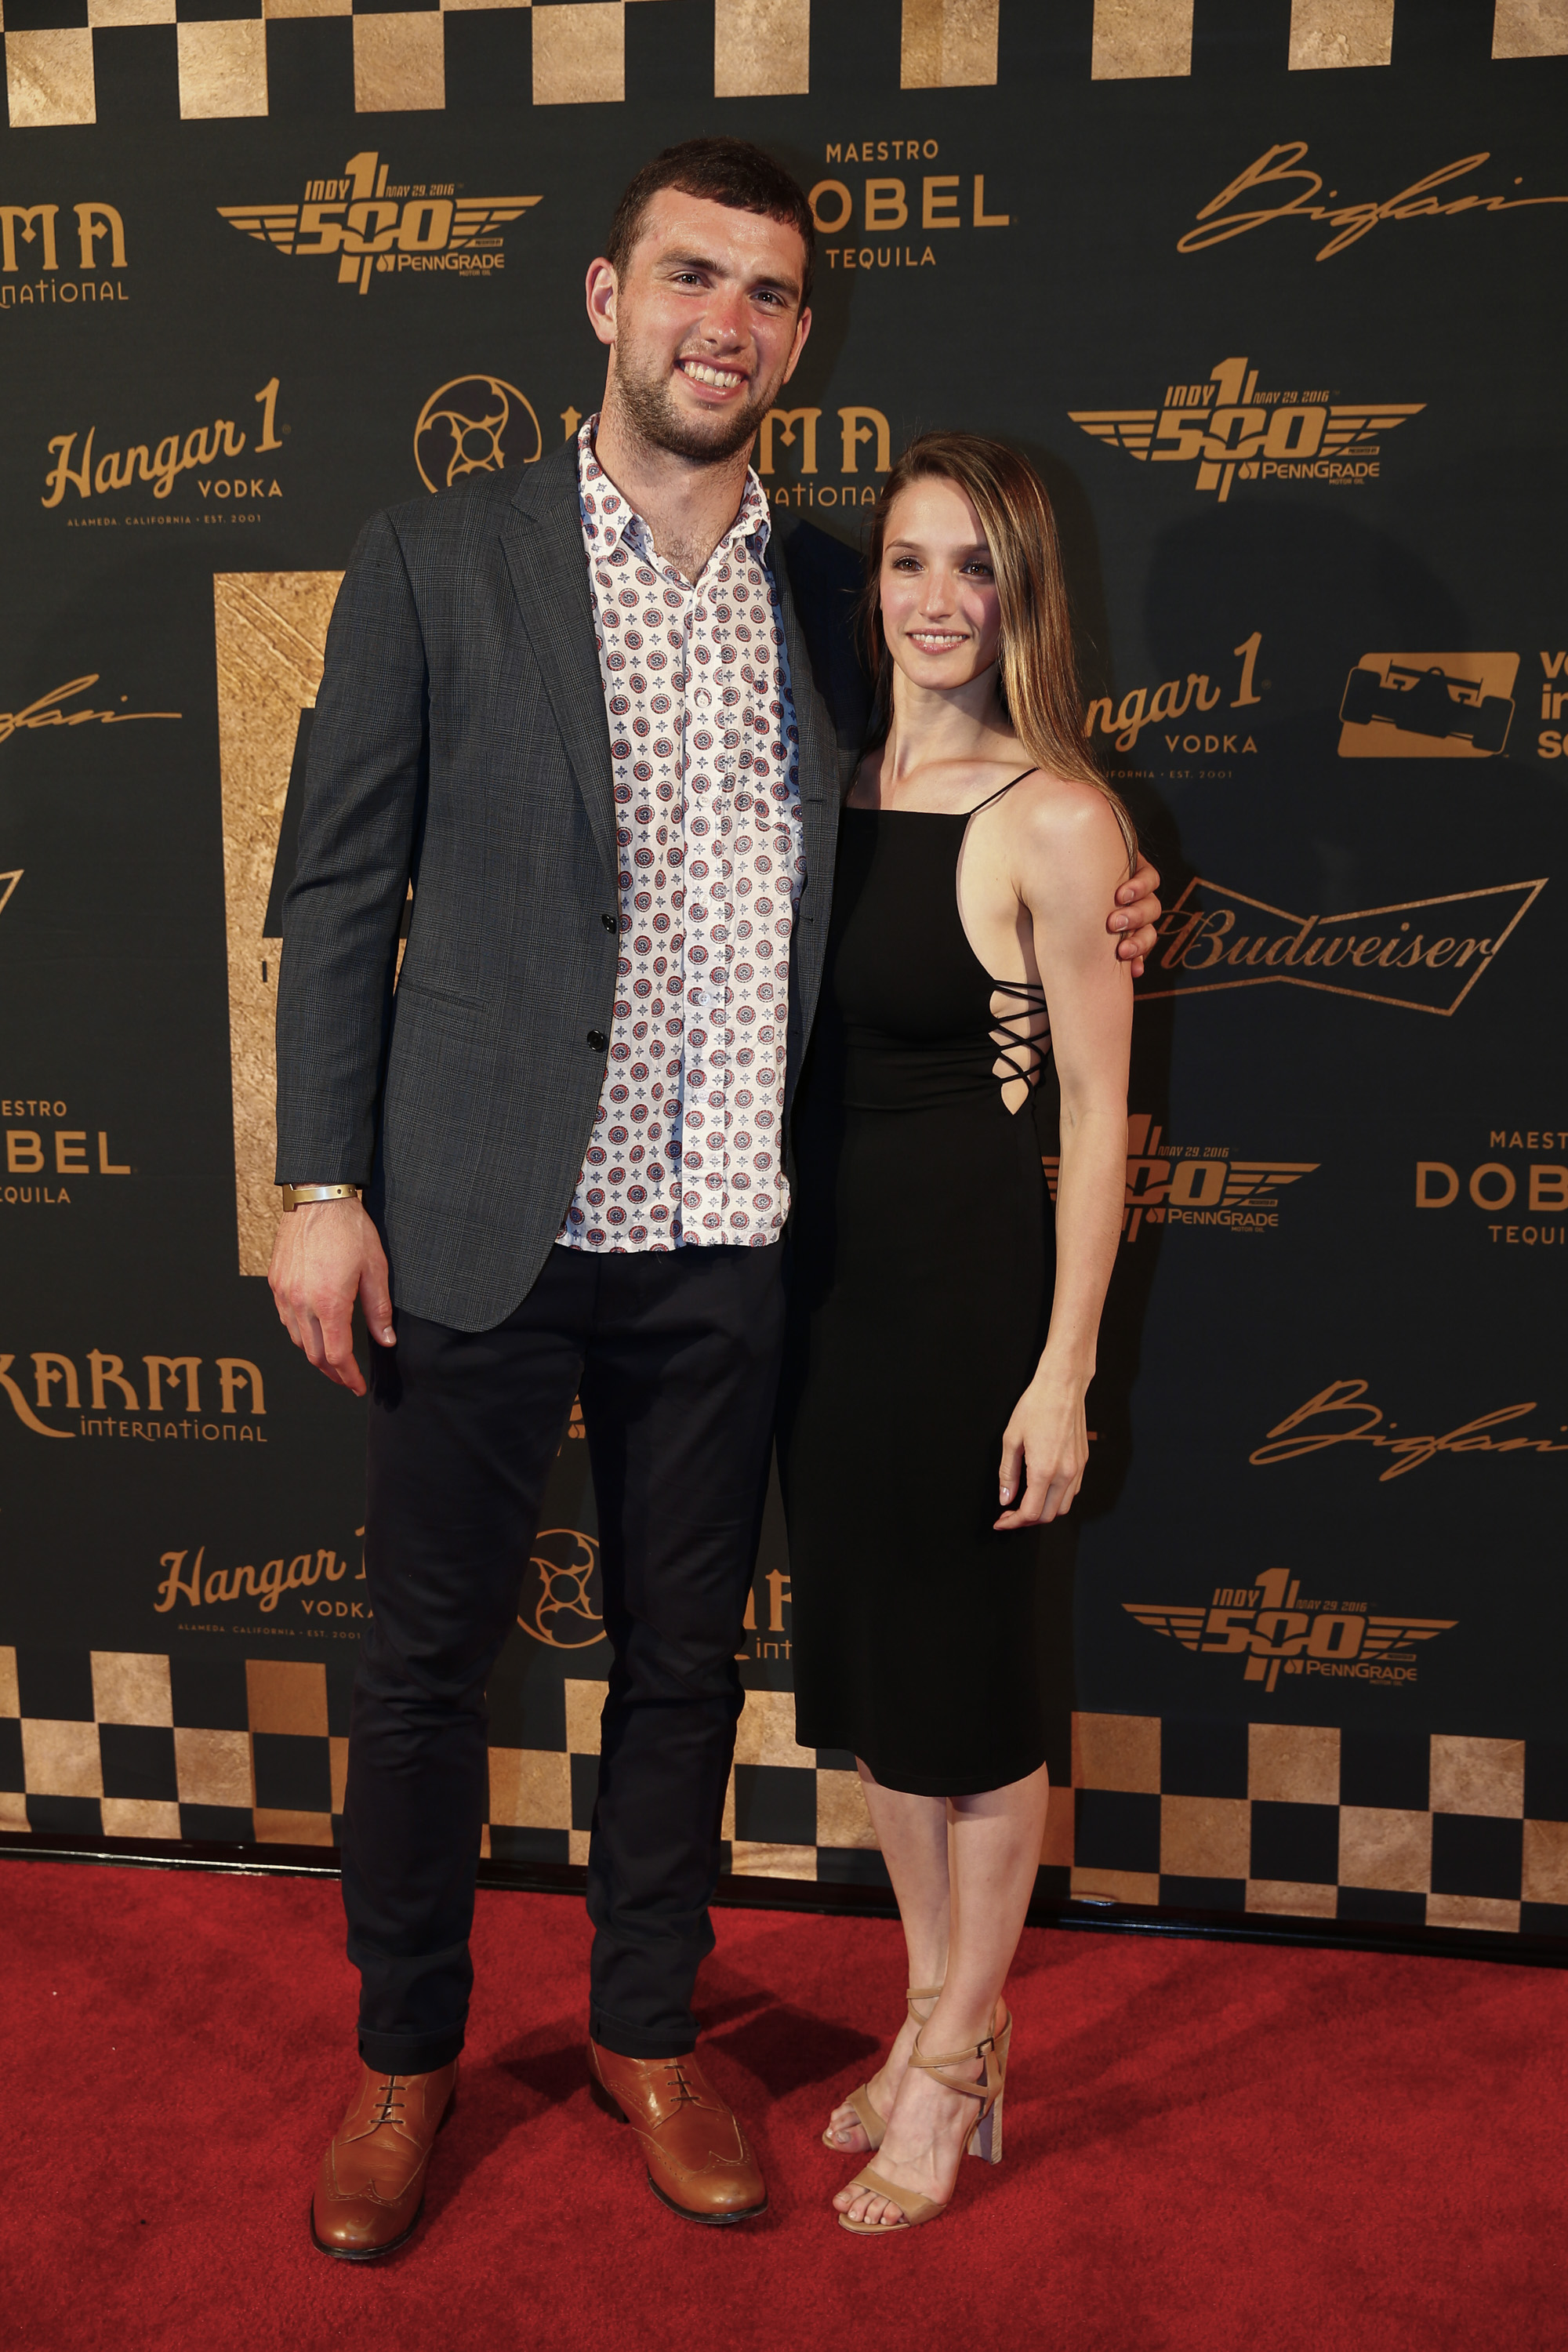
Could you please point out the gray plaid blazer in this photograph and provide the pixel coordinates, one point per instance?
(461, 743)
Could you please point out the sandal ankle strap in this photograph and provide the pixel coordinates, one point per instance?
(986, 2088)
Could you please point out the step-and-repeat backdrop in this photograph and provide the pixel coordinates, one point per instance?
(1270, 290)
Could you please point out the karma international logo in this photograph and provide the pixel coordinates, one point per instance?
(368, 222)
(1227, 429)
(1424, 955)
(1194, 1184)
(1271, 1628)
(149, 1399)
(38, 275)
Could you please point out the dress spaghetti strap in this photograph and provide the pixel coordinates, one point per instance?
(997, 795)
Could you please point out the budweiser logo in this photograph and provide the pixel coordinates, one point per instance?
(1423, 954)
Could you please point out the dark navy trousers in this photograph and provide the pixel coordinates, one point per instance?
(676, 1357)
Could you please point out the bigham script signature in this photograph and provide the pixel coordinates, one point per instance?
(47, 711)
(1278, 168)
(1341, 1414)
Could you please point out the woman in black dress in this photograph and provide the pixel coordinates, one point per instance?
(934, 1409)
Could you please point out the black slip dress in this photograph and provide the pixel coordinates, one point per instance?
(921, 1258)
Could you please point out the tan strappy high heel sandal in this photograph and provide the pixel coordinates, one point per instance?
(874, 2126)
(984, 2140)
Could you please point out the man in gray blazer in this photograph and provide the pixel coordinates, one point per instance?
(586, 715)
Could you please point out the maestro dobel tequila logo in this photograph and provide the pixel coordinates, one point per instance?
(1227, 430)
(367, 222)
(475, 424)
(1270, 1627)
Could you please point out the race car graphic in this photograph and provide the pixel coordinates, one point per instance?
(1427, 706)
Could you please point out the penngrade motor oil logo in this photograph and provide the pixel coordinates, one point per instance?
(1271, 1627)
(368, 222)
(1229, 430)
(1424, 955)
(1192, 1184)
(474, 424)
(1428, 707)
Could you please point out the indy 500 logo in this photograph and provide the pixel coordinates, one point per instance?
(1271, 1627)
(369, 221)
(1229, 430)
(1192, 1184)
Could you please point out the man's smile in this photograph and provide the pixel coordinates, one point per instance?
(715, 379)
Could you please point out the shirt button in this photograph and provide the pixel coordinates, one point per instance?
(597, 1039)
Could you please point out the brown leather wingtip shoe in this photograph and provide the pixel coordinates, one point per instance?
(698, 2160)
(372, 2183)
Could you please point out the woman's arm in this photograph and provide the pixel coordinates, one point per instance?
(1070, 858)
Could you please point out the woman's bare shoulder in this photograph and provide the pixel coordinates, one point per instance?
(1065, 816)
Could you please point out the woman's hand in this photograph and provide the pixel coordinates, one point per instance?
(1045, 1451)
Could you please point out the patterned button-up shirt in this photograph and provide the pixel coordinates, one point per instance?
(685, 1143)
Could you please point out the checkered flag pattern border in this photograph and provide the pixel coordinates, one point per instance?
(761, 47)
(1265, 1819)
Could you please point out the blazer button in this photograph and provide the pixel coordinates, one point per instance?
(609, 921)
(597, 1039)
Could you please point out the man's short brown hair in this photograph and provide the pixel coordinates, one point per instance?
(726, 171)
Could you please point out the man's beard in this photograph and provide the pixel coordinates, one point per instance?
(651, 412)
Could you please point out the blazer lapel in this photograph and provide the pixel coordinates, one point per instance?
(542, 538)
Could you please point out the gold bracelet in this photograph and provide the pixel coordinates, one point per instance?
(297, 1196)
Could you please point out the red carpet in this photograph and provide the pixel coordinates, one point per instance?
(1209, 2145)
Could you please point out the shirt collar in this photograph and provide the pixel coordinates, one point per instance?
(608, 518)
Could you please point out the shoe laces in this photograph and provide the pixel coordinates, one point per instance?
(391, 2098)
(680, 2089)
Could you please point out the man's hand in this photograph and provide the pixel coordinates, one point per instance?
(326, 1254)
(1135, 914)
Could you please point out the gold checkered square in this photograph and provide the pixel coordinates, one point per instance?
(132, 1686)
(1382, 1847)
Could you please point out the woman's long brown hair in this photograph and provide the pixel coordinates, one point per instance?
(1036, 674)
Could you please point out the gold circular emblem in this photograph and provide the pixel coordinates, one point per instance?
(475, 424)
(560, 1603)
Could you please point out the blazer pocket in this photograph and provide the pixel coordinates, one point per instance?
(440, 995)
